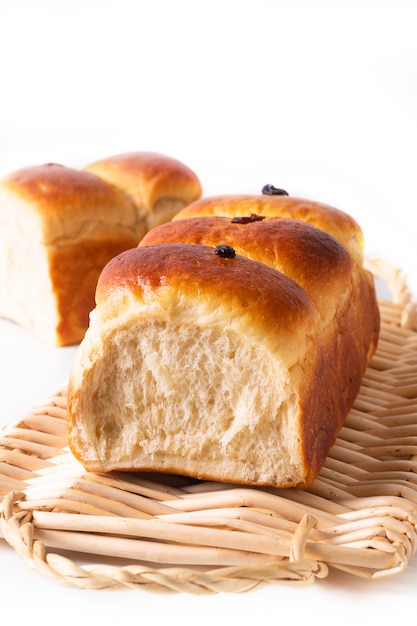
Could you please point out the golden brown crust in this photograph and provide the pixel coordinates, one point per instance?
(66, 199)
(308, 255)
(333, 221)
(149, 178)
(332, 386)
(196, 272)
(74, 272)
(311, 257)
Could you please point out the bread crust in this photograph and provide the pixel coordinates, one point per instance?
(312, 258)
(159, 273)
(68, 200)
(329, 219)
(159, 185)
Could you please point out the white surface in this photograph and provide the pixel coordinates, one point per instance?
(316, 97)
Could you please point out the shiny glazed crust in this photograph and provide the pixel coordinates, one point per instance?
(159, 185)
(289, 246)
(158, 273)
(334, 222)
(67, 201)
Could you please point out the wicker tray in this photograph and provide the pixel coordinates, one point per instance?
(170, 534)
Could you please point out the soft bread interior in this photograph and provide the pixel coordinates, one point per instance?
(184, 380)
(19, 283)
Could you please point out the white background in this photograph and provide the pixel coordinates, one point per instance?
(317, 97)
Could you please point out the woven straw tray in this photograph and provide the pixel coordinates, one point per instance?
(170, 534)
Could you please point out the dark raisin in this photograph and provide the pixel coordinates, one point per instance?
(247, 220)
(226, 252)
(270, 190)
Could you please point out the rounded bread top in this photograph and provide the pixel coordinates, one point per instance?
(68, 202)
(329, 219)
(149, 176)
(194, 283)
(312, 258)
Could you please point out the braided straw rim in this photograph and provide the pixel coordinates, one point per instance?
(396, 280)
(172, 535)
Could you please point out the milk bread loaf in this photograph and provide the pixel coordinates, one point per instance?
(60, 226)
(159, 185)
(228, 351)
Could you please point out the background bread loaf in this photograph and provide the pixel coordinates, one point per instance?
(60, 226)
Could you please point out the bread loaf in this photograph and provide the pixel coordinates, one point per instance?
(225, 350)
(60, 226)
